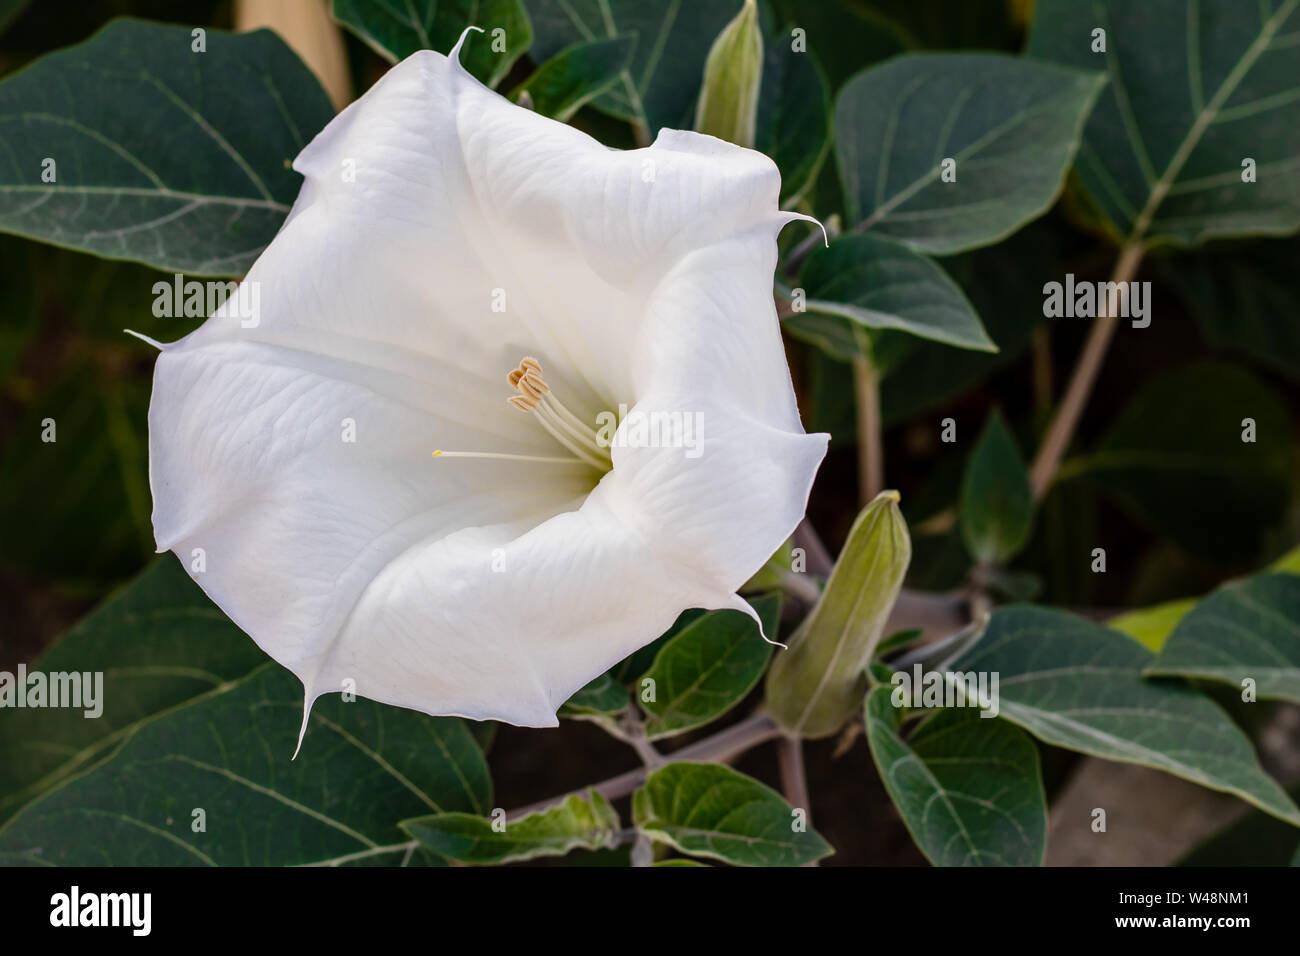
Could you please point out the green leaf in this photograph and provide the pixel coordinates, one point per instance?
(706, 809)
(708, 668)
(1005, 287)
(794, 116)
(575, 75)
(1288, 563)
(1195, 89)
(1015, 586)
(629, 668)
(660, 86)
(576, 824)
(1247, 629)
(774, 572)
(607, 695)
(898, 641)
(969, 789)
(176, 159)
(997, 504)
(1079, 685)
(1151, 626)
(604, 696)
(159, 642)
(363, 767)
(397, 28)
(1244, 299)
(879, 284)
(1175, 459)
(1011, 125)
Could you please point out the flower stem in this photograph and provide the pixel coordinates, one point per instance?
(871, 453)
(1067, 417)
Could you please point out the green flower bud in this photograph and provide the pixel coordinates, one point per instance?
(818, 684)
(728, 107)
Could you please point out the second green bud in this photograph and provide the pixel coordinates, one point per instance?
(816, 686)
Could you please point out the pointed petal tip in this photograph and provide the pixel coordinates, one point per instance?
(144, 338)
(738, 603)
(308, 699)
(454, 55)
(789, 217)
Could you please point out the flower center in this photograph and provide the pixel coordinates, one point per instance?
(535, 397)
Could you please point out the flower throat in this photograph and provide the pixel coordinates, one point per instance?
(535, 397)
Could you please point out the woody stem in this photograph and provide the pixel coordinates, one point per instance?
(1067, 416)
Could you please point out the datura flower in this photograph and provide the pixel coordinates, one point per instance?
(511, 402)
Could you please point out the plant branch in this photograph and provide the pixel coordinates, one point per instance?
(801, 252)
(794, 783)
(1067, 417)
(801, 587)
(720, 747)
(819, 559)
(633, 734)
(922, 610)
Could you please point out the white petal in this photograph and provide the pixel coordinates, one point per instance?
(486, 589)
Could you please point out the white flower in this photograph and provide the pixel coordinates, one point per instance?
(443, 239)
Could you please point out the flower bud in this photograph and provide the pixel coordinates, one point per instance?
(818, 684)
(728, 107)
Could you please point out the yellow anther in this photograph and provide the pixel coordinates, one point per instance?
(529, 386)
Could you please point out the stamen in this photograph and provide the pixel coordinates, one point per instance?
(535, 396)
(565, 427)
(504, 457)
(552, 423)
(531, 388)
